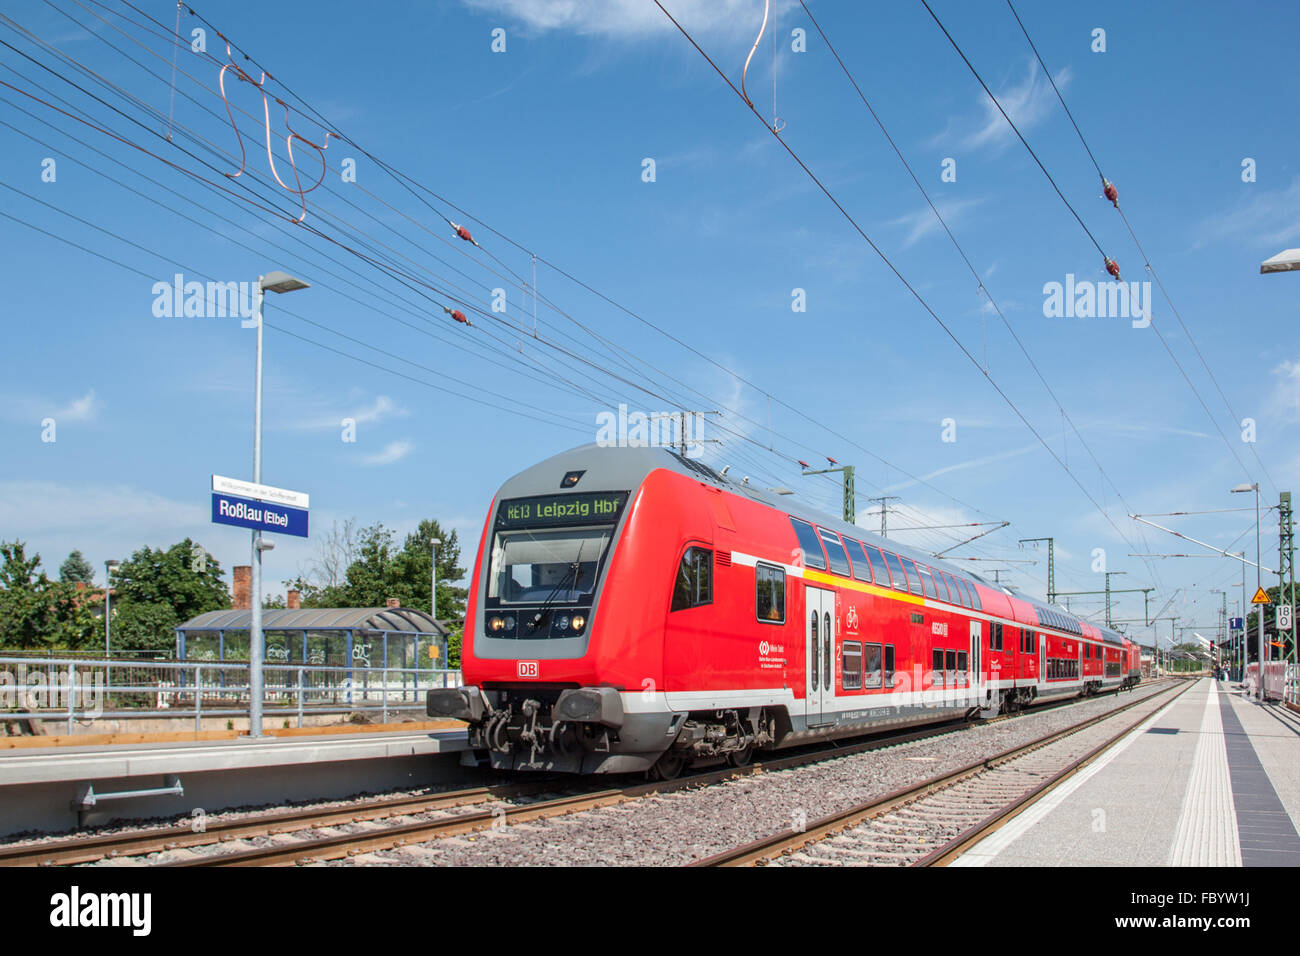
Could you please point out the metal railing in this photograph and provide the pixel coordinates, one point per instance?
(80, 691)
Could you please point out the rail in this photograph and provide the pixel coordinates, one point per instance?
(80, 691)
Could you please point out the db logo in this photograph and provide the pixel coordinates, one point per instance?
(527, 669)
(764, 647)
(851, 618)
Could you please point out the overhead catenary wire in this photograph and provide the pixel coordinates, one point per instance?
(715, 363)
(897, 273)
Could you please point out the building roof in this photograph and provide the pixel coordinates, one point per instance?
(397, 619)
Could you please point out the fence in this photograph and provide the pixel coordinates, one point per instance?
(80, 690)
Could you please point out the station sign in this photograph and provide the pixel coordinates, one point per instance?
(1235, 623)
(244, 504)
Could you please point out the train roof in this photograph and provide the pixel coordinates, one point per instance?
(629, 466)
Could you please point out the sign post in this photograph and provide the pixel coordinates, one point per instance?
(247, 504)
(1260, 599)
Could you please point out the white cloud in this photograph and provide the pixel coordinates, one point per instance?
(921, 223)
(378, 410)
(632, 19)
(83, 409)
(1028, 103)
(393, 452)
(1265, 218)
(1284, 402)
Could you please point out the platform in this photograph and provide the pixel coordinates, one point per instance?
(38, 786)
(1211, 779)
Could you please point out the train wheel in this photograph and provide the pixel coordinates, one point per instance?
(668, 767)
(741, 758)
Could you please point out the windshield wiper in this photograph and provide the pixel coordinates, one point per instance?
(540, 617)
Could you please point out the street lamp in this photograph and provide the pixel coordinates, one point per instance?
(278, 282)
(109, 567)
(1263, 652)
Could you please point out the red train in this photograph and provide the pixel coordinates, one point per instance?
(632, 609)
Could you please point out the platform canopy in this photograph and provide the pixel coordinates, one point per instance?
(402, 620)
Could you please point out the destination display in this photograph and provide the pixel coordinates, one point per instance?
(593, 507)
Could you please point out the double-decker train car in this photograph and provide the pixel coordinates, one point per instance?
(632, 609)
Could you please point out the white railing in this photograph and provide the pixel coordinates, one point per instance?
(80, 691)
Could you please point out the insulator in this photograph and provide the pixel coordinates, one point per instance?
(1112, 267)
(1110, 191)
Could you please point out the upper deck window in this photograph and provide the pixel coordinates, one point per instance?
(896, 569)
(861, 569)
(913, 576)
(878, 569)
(810, 544)
(835, 551)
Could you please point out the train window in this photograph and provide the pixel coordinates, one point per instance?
(809, 544)
(974, 596)
(913, 576)
(835, 551)
(962, 669)
(941, 586)
(962, 592)
(861, 569)
(851, 662)
(770, 604)
(999, 636)
(873, 665)
(951, 668)
(895, 569)
(889, 665)
(814, 658)
(826, 629)
(694, 584)
(927, 582)
(936, 666)
(878, 569)
(954, 592)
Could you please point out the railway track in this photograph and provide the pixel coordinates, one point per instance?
(391, 822)
(933, 822)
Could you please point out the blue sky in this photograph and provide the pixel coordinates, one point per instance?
(544, 143)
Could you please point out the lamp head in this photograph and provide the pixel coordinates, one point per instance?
(281, 282)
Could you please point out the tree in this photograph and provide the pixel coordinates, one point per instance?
(379, 570)
(320, 583)
(24, 599)
(76, 568)
(35, 612)
(154, 590)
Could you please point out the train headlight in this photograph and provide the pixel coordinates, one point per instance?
(496, 623)
(578, 622)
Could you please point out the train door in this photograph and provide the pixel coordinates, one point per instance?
(819, 616)
(1042, 658)
(976, 663)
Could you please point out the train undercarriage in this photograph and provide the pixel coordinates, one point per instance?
(587, 730)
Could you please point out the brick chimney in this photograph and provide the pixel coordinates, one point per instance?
(241, 587)
(293, 600)
(392, 602)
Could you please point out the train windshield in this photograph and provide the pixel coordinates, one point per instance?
(556, 566)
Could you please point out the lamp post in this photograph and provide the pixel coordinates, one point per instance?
(278, 282)
(1259, 613)
(109, 567)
